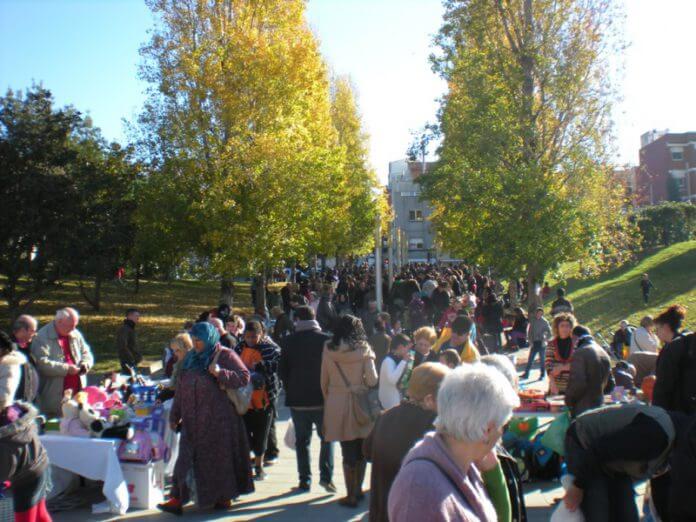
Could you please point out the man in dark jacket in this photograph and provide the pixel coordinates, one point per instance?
(127, 343)
(561, 304)
(590, 373)
(300, 371)
(326, 311)
(23, 332)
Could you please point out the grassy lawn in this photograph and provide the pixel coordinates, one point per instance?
(604, 301)
(164, 308)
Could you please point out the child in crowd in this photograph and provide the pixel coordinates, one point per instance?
(450, 358)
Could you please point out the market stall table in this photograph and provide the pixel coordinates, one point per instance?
(95, 459)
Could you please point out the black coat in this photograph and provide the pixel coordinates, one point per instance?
(300, 368)
(675, 387)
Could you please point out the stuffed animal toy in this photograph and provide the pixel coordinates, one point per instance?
(81, 420)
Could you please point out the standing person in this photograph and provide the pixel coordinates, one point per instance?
(460, 340)
(227, 340)
(23, 332)
(300, 373)
(439, 479)
(261, 356)
(440, 299)
(644, 347)
(517, 338)
(492, 311)
(559, 352)
(213, 451)
(645, 286)
(674, 390)
(127, 342)
(326, 311)
(590, 373)
(23, 460)
(424, 338)
(283, 325)
(347, 357)
(539, 333)
(369, 317)
(63, 359)
(393, 370)
(235, 327)
(622, 339)
(561, 304)
(397, 430)
(610, 447)
(379, 342)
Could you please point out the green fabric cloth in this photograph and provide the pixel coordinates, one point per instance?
(497, 490)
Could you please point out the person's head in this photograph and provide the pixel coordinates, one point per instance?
(203, 317)
(648, 323)
(304, 313)
(450, 358)
(504, 365)
(400, 345)
(204, 336)
(24, 329)
(180, 345)
(372, 305)
(473, 404)
(385, 317)
(253, 332)
(461, 328)
(563, 325)
(560, 292)
(424, 384)
(217, 323)
(670, 322)
(539, 313)
(424, 338)
(224, 311)
(623, 324)
(66, 321)
(235, 325)
(579, 332)
(6, 344)
(133, 314)
(645, 276)
(348, 330)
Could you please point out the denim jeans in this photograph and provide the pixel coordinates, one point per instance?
(538, 348)
(303, 421)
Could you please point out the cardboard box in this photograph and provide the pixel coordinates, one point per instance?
(145, 483)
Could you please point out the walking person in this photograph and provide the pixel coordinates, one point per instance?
(300, 373)
(646, 286)
(539, 333)
(348, 363)
(393, 370)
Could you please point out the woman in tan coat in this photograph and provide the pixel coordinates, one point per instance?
(347, 357)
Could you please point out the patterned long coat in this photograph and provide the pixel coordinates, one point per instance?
(214, 441)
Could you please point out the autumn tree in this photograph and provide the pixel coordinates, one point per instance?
(523, 181)
(238, 131)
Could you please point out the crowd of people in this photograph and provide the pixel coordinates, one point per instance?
(422, 390)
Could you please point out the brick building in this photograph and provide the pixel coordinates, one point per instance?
(667, 168)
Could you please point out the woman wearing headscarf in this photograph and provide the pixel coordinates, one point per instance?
(213, 464)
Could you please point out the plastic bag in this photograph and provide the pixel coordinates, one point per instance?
(561, 513)
(290, 436)
(554, 437)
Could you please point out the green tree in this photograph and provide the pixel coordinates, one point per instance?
(523, 181)
(238, 133)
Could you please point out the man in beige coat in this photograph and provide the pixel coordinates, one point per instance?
(60, 367)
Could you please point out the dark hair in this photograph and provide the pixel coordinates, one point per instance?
(581, 331)
(399, 340)
(6, 344)
(379, 325)
(673, 317)
(305, 313)
(560, 292)
(519, 312)
(203, 317)
(462, 324)
(348, 329)
(451, 357)
(131, 311)
(254, 326)
(539, 309)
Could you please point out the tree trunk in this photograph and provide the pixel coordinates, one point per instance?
(137, 279)
(323, 262)
(95, 301)
(512, 290)
(533, 298)
(227, 291)
(261, 294)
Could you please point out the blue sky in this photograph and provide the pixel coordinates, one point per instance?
(86, 52)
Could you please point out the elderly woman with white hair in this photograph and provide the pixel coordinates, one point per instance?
(63, 359)
(439, 478)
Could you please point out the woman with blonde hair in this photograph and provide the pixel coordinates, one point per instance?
(423, 341)
(559, 352)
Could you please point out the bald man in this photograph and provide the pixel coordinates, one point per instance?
(63, 359)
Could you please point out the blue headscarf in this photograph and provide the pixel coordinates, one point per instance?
(207, 333)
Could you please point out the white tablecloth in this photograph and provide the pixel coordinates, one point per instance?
(95, 459)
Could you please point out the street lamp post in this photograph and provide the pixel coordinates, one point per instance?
(378, 263)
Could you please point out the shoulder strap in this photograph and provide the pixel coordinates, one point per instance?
(343, 375)
(455, 486)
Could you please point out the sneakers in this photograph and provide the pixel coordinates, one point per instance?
(259, 475)
(328, 486)
(173, 506)
(270, 460)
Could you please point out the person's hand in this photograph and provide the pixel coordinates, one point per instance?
(73, 370)
(487, 462)
(214, 370)
(573, 498)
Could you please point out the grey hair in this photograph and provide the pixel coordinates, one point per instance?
(24, 322)
(504, 365)
(66, 313)
(471, 398)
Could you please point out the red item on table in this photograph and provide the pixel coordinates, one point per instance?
(70, 382)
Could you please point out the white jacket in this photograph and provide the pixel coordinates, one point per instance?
(644, 341)
(389, 374)
(10, 375)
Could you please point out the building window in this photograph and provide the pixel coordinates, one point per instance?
(415, 215)
(677, 155)
(415, 243)
(409, 194)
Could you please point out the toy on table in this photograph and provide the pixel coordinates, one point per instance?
(81, 420)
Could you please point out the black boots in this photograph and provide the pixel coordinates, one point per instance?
(350, 476)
